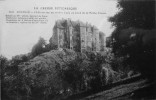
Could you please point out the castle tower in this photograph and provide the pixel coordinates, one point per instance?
(58, 34)
(89, 37)
(102, 41)
(54, 41)
(70, 31)
(82, 36)
(96, 39)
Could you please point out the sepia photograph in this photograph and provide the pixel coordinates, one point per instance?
(77, 50)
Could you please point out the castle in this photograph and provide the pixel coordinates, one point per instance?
(77, 36)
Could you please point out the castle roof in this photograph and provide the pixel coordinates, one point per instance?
(62, 23)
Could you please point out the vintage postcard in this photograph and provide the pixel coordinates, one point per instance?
(77, 49)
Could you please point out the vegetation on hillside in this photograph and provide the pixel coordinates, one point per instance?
(57, 74)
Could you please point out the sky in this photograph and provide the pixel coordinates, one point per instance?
(19, 38)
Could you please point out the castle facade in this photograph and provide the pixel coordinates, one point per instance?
(77, 36)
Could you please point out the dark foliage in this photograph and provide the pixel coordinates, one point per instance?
(52, 81)
(39, 47)
(12, 86)
(139, 15)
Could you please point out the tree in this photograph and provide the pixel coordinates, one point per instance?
(3, 65)
(39, 47)
(3, 62)
(137, 14)
(133, 16)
